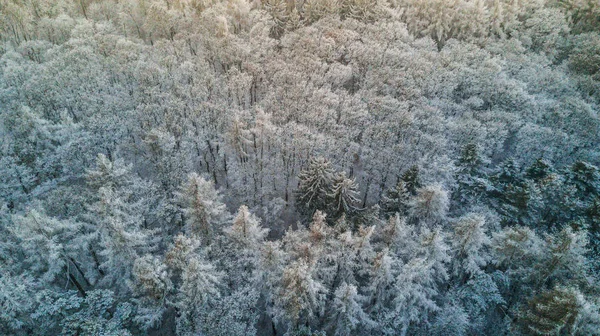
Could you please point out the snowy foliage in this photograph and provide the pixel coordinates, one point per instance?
(317, 167)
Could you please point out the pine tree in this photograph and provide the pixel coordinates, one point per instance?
(51, 248)
(586, 178)
(347, 315)
(381, 280)
(395, 200)
(245, 230)
(511, 194)
(16, 182)
(564, 259)
(417, 284)
(398, 236)
(469, 243)
(430, 205)
(66, 313)
(539, 170)
(200, 283)
(241, 249)
(205, 213)
(550, 312)
(343, 196)
(516, 249)
(411, 179)
(152, 287)
(471, 176)
(119, 238)
(299, 296)
(314, 184)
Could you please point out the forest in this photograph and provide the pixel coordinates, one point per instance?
(299, 167)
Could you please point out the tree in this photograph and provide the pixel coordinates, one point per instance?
(17, 182)
(242, 248)
(564, 258)
(15, 292)
(205, 213)
(471, 176)
(52, 248)
(552, 311)
(246, 230)
(200, 283)
(314, 184)
(299, 296)
(395, 200)
(152, 285)
(119, 237)
(511, 195)
(399, 237)
(452, 319)
(347, 312)
(584, 58)
(430, 205)
(469, 243)
(70, 314)
(516, 249)
(412, 180)
(343, 194)
(417, 283)
(381, 280)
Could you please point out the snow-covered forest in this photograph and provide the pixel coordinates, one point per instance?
(299, 167)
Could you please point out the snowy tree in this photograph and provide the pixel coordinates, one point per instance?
(399, 237)
(314, 185)
(199, 286)
(516, 247)
(469, 244)
(205, 213)
(343, 196)
(300, 297)
(246, 230)
(119, 236)
(17, 181)
(180, 251)
(14, 295)
(552, 311)
(242, 249)
(347, 312)
(152, 284)
(471, 176)
(381, 282)
(69, 314)
(430, 205)
(564, 258)
(52, 248)
(417, 283)
(452, 319)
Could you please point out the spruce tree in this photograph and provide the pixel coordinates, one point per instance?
(314, 186)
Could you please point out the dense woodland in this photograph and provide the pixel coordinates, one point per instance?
(299, 167)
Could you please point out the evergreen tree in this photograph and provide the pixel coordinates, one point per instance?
(550, 312)
(469, 243)
(430, 205)
(314, 185)
(242, 249)
(299, 296)
(511, 194)
(343, 196)
(199, 287)
(471, 176)
(395, 200)
(411, 179)
(347, 315)
(205, 213)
